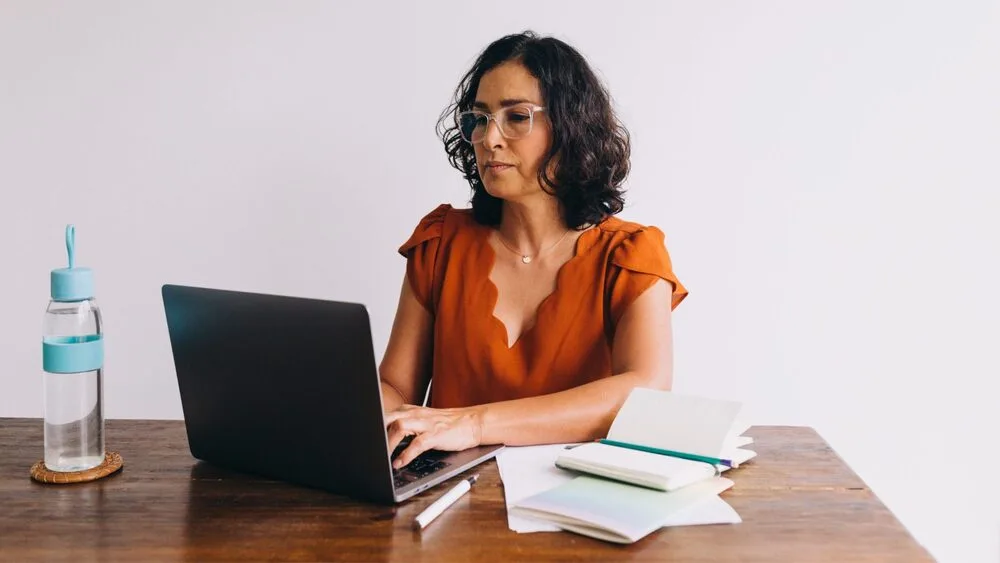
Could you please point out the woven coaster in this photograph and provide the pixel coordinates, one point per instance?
(112, 463)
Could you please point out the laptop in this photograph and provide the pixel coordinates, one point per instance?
(287, 388)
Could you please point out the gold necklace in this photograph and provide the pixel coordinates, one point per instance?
(527, 258)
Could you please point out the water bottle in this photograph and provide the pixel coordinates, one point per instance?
(72, 360)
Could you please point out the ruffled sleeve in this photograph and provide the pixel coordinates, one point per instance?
(421, 251)
(636, 264)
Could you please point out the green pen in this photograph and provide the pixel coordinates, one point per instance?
(671, 453)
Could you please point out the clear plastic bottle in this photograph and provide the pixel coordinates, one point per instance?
(73, 361)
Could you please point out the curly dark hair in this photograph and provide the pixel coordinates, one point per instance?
(591, 144)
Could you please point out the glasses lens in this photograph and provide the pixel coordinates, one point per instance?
(516, 122)
(472, 125)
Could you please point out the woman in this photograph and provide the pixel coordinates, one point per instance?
(536, 311)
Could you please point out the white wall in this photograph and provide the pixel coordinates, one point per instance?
(826, 175)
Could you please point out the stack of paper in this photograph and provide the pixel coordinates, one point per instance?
(622, 494)
(530, 470)
(527, 471)
(613, 511)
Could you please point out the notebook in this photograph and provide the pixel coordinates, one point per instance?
(664, 420)
(616, 512)
(529, 470)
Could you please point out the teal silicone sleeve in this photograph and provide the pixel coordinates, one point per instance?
(72, 354)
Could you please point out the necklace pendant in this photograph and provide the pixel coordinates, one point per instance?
(526, 259)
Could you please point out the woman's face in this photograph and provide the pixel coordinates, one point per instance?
(509, 167)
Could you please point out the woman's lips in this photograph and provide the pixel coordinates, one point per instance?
(498, 168)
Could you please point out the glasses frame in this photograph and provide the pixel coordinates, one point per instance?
(493, 116)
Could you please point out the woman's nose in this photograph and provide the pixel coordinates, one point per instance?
(493, 138)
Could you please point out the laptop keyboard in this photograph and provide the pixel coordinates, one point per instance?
(422, 466)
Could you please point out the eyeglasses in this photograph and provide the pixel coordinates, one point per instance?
(513, 122)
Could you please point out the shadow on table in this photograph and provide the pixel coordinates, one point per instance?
(237, 516)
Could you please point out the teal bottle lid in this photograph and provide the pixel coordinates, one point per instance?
(72, 283)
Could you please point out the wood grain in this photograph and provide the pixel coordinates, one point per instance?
(798, 500)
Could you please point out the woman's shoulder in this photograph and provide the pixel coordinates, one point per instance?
(444, 221)
(615, 232)
(447, 212)
(632, 246)
(639, 249)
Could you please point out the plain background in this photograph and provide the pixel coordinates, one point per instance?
(826, 175)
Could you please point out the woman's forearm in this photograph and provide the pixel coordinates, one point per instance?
(392, 399)
(576, 415)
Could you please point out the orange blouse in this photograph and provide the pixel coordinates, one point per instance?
(449, 260)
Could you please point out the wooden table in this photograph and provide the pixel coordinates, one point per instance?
(798, 500)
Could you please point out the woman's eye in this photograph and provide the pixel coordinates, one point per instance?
(518, 116)
(473, 121)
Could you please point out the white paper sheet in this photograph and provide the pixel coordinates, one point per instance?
(734, 442)
(529, 470)
(712, 510)
(614, 511)
(526, 471)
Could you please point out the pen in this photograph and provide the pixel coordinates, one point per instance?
(671, 453)
(446, 500)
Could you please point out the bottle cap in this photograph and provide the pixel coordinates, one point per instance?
(72, 283)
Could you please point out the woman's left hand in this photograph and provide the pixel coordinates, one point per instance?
(433, 429)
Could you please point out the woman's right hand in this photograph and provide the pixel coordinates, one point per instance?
(433, 429)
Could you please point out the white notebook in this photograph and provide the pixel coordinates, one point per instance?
(665, 421)
(617, 512)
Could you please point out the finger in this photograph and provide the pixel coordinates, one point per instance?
(394, 435)
(419, 445)
(402, 412)
(403, 428)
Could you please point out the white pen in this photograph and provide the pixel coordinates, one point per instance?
(446, 500)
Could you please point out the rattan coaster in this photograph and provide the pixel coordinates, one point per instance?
(112, 463)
